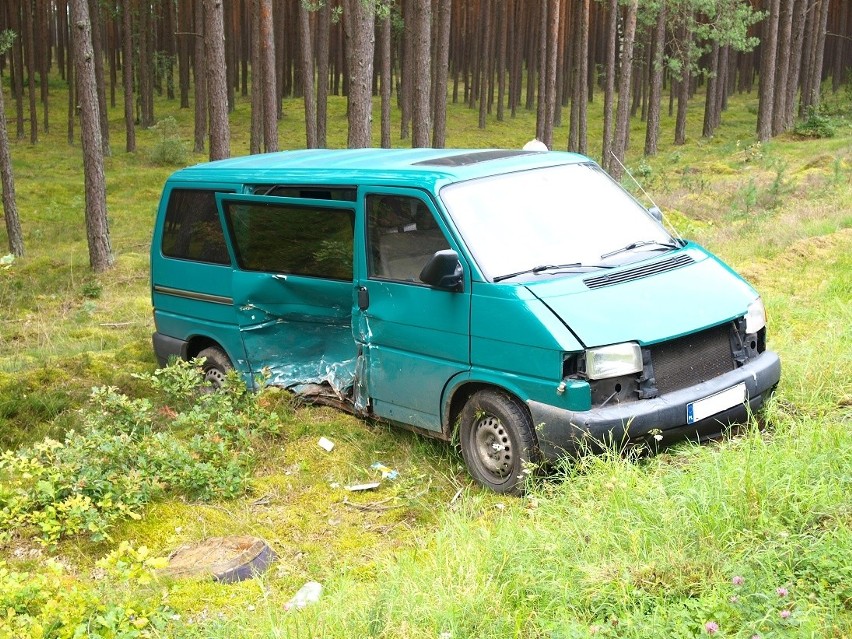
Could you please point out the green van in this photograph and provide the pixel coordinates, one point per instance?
(521, 301)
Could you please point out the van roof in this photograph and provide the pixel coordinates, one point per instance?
(424, 167)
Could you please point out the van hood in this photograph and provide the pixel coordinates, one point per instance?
(649, 308)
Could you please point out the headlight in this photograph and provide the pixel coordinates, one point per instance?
(613, 361)
(755, 317)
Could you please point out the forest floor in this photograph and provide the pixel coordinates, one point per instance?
(751, 534)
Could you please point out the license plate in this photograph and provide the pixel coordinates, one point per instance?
(709, 406)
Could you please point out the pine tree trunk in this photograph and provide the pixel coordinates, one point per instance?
(622, 121)
(18, 71)
(782, 66)
(100, 85)
(609, 87)
(127, 75)
(839, 45)
(793, 74)
(323, 27)
(29, 39)
(815, 84)
(710, 94)
(217, 84)
(7, 184)
(551, 36)
(199, 72)
(652, 130)
(267, 65)
(44, 60)
(386, 81)
(256, 127)
(97, 227)
(683, 82)
(406, 88)
(769, 46)
(184, 39)
(501, 59)
(307, 60)
(421, 102)
(439, 98)
(359, 58)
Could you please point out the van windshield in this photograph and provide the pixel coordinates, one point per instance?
(572, 215)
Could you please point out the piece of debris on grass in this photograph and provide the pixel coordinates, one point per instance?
(359, 487)
(307, 594)
(387, 473)
(325, 444)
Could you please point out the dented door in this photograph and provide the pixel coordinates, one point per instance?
(293, 288)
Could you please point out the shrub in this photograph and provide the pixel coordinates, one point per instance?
(815, 125)
(131, 451)
(171, 149)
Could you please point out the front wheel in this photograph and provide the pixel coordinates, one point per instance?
(497, 441)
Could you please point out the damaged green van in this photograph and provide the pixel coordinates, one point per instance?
(520, 301)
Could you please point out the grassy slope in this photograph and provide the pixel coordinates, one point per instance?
(616, 548)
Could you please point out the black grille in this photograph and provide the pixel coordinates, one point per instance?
(608, 279)
(692, 359)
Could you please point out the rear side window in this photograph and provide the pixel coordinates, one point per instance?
(192, 230)
(317, 242)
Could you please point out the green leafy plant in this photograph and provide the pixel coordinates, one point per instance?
(815, 125)
(170, 150)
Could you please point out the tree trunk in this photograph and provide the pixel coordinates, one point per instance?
(683, 83)
(710, 94)
(439, 99)
(622, 120)
(386, 80)
(307, 60)
(217, 84)
(551, 36)
(7, 184)
(839, 46)
(769, 46)
(29, 39)
(127, 76)
(97, 227)
(652, 131)
(484, 57)
(406, 89)
(782, 67)
(580, 91)
(323, 28)
(199, 66)
(815, 84)
(421, 100)
(793, 74)
(256, 127)
(359, 61)
(184, 39)
(502, 16)
(44, 59)
(18, 70)
(267, 66)
(609, 87)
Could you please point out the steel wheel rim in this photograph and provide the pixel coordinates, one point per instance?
(493, 446)
(215, 377)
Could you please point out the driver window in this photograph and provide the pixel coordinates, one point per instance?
(402, 237)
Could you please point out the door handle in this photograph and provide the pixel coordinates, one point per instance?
(280, 277)
(363, 298)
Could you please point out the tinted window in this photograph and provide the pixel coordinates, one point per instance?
(402, 236)
(192, 230)
(342, 193)
(290, 239)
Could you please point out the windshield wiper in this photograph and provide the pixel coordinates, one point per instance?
(637, 244)
(549, 267)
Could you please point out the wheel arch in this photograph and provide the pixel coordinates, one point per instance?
(457, 395)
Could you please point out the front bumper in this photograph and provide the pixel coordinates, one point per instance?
(562, 432)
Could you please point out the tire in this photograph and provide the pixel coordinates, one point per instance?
(497, 441)
(216, 366)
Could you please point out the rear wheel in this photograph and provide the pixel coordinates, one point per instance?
(216, 365)
(497, 441)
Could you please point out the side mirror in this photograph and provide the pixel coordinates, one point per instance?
(656, 213)
(444, 271)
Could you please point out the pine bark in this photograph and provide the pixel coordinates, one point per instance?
(652, 130)
(386, 80)
(794, 72)
(323, 28)
(267, 65)
(439, 98)
(127, 76)
(18, 71)
(97, 227)
(782, 66)
(29, 39)
(622, 120)
(307, 60)
(769, 46)
(256, 127)
(421, 105)
(199, 72)
(217, 84)
(580, 85)
(683, 81)
(609, 86)
(7, 184)
(359, 61)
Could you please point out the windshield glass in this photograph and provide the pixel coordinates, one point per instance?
(551, 216)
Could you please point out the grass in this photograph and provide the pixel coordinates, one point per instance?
(612, 546)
